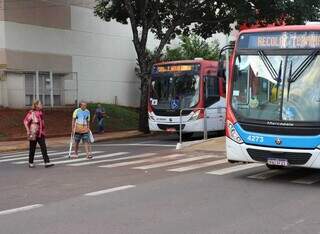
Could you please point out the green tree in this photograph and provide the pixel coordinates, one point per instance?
(193, 47)
(169, 18)
(173, 54)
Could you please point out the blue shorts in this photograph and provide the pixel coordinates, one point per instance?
(82, 136)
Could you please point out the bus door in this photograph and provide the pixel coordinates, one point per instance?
(215, 115)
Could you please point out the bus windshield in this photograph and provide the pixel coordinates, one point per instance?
(277, 87)
(174, 91)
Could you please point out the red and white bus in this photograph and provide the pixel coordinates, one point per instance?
(190, 86)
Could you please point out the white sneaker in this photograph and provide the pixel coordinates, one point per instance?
(31, 165)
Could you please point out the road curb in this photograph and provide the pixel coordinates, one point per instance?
(190, 143)
(210, 145)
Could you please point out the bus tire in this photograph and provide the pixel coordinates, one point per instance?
(274, 167)
(232, 161)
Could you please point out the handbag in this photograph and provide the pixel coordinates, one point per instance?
(34, 128)
(91, 137)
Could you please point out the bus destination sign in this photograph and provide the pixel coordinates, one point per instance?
(175, 68)
(280, 40)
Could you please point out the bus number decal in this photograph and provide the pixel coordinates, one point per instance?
(256, 139)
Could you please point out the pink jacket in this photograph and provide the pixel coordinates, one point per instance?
(38, 119)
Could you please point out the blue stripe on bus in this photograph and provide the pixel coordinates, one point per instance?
(261, 139)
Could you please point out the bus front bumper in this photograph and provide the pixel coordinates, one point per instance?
(189, 126)
(250, 153)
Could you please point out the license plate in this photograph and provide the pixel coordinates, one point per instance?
(171, 130)
(278, 162)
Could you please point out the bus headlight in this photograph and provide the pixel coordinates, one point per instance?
(195, 116)
(232, 133)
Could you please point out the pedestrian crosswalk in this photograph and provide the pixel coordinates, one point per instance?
(199, 165)
(210, 164)
(170, 163)
(233, 169)
(156, 159)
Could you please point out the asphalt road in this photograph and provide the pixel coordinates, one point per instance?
(145, 186)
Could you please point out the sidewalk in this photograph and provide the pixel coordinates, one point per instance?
(214, 144)
(64, 141)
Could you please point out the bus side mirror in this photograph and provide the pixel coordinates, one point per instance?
(221, 69)
(221, 64)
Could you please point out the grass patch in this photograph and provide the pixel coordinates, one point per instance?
(119, 117)
(3, 136)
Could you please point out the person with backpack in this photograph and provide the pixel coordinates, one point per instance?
(99, 116)
(34, 124)
(81, 129)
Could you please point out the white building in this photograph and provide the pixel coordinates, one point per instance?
(50, 47)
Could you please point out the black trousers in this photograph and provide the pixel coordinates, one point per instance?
(32, 149)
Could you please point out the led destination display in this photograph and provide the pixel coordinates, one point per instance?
(280, 40)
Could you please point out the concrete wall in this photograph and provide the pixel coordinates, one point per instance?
(101, 53)
(2, 43)
(37, 12)
(3, 89)
(107, 66)
(15, 86)
(3, 93)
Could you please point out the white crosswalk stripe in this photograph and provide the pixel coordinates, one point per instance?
(13, 153)
(164, 164)
(23, 158)
(85, 159)
(311, 179)
(267, 174)
(24, 155)
(54, 159)
(234, 169)
(156, 159)
(199, 165)
(103, 161)
(138, 144)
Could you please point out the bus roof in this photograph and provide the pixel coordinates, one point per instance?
(284, 28)
(202, 62)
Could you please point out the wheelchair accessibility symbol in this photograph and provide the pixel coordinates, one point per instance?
(174, 104)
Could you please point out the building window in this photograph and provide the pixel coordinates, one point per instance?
(44, 88)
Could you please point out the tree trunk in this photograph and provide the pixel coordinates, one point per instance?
(143, 115)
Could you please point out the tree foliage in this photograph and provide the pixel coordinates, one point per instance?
(193, 47)
(167, 19)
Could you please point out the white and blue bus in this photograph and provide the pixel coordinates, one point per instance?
(273, 100)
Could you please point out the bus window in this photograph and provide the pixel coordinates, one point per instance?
(212, 90)
(241, 87)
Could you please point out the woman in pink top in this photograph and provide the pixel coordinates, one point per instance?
(34, 124)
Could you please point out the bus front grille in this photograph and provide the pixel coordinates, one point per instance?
(293, 158)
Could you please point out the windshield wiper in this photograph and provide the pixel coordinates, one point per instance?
(274, 74)
(268, 65)
(279, 79)
(300, 70)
